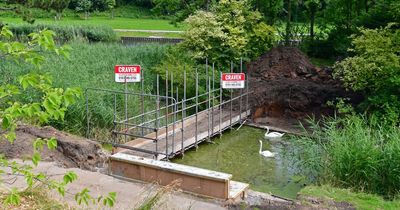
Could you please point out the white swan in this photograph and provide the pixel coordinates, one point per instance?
(273, 135)
(266, 153)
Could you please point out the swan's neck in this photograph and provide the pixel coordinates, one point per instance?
(260, 147)
(267, 129)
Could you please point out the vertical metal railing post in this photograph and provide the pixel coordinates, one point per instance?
(213, 100)
(115, 115)
(241, 93)
(197, 107)
(157, 114)
(183, 111)
(166, 114)
(87, 114)
(247, 91)
(220, 104)
(174, 113)
(231, 105)
(209, 107)
(142, 98)
(126, 109)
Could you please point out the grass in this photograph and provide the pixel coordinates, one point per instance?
(352, 152)
(92, 66)
(116, 23)
(147, 34)
(37, 198)
(360, 200)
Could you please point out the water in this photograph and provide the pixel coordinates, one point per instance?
(237, 153)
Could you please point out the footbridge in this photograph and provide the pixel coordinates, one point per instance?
(150, 129)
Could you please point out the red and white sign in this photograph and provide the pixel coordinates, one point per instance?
(233, 80)
(127, 73)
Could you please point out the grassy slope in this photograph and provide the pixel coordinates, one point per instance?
(116, 23)
(359, 200)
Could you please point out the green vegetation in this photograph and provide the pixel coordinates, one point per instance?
(116, 23)
(374, 70)
(90, 65)
(67, 33)
(352, 152)
(358, 199)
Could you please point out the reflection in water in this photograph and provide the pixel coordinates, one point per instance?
(236, 152)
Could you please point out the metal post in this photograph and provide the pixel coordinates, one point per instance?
(183, 110)
(115, 114)
(197, 105)
(241, 93)
(230, 90)
(213, 101)
(126, 109)
(142, 97)
(174, 112)
(247, 91)
(157, 113)
(87, 114)
(220, 104)
(166, 114)
(209, 106)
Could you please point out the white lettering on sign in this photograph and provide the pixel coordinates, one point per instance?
(127, 73)
(233, 80)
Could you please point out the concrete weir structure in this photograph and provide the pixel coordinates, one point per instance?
(190, 179)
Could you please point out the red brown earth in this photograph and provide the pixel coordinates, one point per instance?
(72, 151)
(286, 85)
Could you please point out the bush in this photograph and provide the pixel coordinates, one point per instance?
(230, 31)
(353, 152)
(68, 33)
(375, 71)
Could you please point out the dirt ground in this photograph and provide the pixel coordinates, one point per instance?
(288, 88)
(72, 151)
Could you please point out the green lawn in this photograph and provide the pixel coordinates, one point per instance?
(359, 200)
(116, 23)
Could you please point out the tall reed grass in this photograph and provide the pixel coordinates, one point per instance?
(352, 152)
(67, 33)
(91, 66)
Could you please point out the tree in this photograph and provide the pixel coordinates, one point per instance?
(313, 6)
(230, 31)
(59, 6)
(269, 8)
(84, 6)
(375, 71)
(110, 6)
(52, 106)
(180, 9)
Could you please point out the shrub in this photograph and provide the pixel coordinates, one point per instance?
(68, 33)
(352, 152)
(375, 71)
(230, 31)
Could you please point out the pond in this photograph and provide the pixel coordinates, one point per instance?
(236, 152)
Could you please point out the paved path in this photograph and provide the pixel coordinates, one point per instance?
(148, 31)
(129, 194)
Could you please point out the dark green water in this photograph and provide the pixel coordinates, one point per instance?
(237, 153)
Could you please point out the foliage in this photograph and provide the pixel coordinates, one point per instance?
(67, 33)
(52, 105)
(91, 66)
(360, 200)
(352, 152)
(375, 70)
(180, 10)
(231, 31)
(84, 6)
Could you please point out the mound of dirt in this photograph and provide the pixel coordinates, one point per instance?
(287, 85)
(72, 151)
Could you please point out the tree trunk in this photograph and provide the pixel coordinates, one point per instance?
(313, 11)
(86, 15)
(288, 24)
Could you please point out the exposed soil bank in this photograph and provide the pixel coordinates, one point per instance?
(288, 86)
(72, 151)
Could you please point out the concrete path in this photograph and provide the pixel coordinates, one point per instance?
(148, 31)
(129, 194)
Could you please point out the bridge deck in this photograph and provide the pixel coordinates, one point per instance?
(208, 123)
